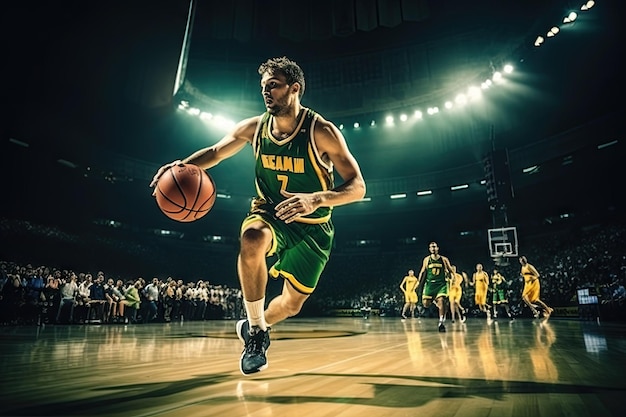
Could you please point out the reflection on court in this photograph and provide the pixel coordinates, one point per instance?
(325, 367)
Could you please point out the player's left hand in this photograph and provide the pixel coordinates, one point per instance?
(296, 205)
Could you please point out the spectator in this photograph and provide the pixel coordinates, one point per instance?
(68, 293)
(97, 300)
(132, 300)
(52, 292)
(118, 296)
(201, 298)
(12, 300)
(151, 293)
(111, 305)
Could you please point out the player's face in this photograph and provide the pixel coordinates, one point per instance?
(275, 91)
(433, 248)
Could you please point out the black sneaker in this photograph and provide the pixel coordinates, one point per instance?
(442, 328)
(256, 344)
(243, 330)
(243, 333)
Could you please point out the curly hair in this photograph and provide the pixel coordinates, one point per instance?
(285, 66)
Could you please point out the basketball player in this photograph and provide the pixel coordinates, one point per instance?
(532, 288)
(409, 289)
(455, 292)
(434, 268)
(480, 280)
(499, 297)
(297, 152)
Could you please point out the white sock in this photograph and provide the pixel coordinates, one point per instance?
(256, 313)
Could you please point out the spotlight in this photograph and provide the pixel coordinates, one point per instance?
(588, 5)
(553, 31)
(474, 93)
(570, 17)
(206, 116)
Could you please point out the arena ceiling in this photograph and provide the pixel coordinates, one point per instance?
(92, 84)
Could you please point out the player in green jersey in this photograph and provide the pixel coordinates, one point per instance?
(297, 152)
(434, 270)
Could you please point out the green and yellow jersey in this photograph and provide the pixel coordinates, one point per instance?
(292, 164)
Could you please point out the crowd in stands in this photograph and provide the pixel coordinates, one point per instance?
(589, 257)
(45, 295)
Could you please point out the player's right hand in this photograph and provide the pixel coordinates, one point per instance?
(161, 171)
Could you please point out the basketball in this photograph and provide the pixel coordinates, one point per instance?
(185, 193)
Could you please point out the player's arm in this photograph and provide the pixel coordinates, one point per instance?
(332, 146)
(448, 266)
(333, 149)
(208, 157)
(228, 146)
(403, 285)
(534, 271)
(422, 271)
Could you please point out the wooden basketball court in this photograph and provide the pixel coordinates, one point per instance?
(335, 367)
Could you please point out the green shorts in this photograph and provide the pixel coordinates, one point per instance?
(302, 249)
(434, 289)
(499, 296)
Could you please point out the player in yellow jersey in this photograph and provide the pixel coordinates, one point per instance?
(409, 289)
(296, 152)
(480, 281)
(434, 270)
(455, 292)
(532, 288)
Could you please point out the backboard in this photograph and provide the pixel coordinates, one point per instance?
(503, 242)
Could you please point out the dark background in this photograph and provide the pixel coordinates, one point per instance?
(93, 83)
